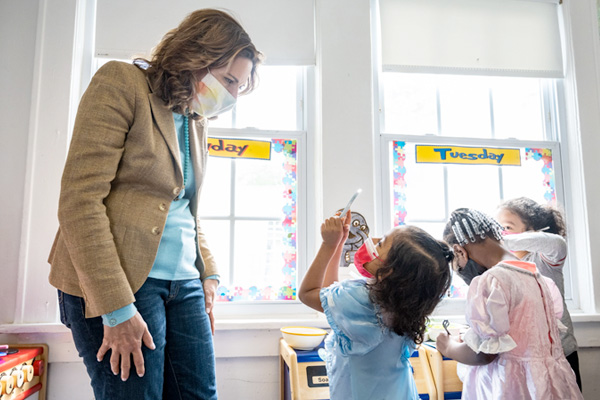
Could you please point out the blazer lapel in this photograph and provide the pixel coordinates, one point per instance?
(164, 120)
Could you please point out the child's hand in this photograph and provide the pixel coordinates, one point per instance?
(332, 231)
(443, 343)
(346, 221)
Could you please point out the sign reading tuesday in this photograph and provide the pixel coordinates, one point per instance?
(239, 148)
(467, 155)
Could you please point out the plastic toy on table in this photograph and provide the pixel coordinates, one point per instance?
(23, 373)
(303, 375)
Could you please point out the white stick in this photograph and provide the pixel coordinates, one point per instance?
(345, 210)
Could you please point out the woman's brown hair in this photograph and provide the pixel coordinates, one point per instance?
(205, 38)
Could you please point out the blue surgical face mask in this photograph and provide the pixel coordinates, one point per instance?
(470, 271)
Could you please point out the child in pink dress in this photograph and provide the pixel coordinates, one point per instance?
(513, 348)
(536, 233)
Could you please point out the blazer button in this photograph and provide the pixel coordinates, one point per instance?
(162, 206)
(176, 191)
(155, 230)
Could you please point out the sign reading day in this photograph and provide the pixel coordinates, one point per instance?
(467, 155)
(239, 148)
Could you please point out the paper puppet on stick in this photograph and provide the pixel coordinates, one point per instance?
(359, 231)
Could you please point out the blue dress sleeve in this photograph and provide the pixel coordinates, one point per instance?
(352, 317)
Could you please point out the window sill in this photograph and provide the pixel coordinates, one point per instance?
(236, 337)
(317, 320)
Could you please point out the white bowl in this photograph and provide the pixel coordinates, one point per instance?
(436, 328)
(303, 337)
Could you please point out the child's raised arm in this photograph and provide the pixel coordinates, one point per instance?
(324, 269)
(552, 247)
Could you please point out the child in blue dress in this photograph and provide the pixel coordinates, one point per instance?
(376, 323)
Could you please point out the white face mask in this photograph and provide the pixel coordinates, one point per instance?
(212, 97)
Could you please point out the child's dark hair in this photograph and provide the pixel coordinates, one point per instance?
(471, 226)
(413, 280)
(536, 216)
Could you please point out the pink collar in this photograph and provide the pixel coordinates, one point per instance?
(522, 264)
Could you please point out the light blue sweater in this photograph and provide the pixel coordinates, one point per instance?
(176, 256)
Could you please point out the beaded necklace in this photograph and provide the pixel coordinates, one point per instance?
(186, 163)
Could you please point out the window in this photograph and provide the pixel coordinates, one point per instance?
(445, 139)
(249, 206)
(468, 109)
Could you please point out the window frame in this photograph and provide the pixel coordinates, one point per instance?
(305, 137)
(550, 103)
(301, 173)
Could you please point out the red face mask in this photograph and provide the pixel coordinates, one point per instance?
(365, 253)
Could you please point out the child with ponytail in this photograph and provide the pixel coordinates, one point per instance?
(376, 323)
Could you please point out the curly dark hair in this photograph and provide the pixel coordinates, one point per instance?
(205, 38)
(412, 281)
(536, 216)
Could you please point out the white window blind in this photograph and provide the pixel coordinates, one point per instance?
(487, 37)
(282, 29)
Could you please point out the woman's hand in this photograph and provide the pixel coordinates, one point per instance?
(125, 340)
(210, 293)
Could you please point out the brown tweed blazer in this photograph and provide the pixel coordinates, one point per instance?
(122, 172)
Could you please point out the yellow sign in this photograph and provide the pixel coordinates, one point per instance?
(239, 148)
(467, 155)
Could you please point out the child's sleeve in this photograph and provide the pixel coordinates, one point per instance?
(351, 316)
(551, 247)
(557, 299)
(487, 314)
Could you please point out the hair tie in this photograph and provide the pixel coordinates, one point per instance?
(448, 254)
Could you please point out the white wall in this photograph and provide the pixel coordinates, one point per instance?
(17, 20)
(35, 79)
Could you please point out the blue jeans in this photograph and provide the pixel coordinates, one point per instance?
(183, 364)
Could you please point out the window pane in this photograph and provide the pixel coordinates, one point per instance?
(216, 190)
(264, 221)
(473, 186)
(465, 106)
(224, 120)
(273, 105)
(418, 188)
(435, 229)
(259, 250)
(535, 177)
(217, 233)
(259, 187)
(421, 196)
(517, 108)
(409, 103)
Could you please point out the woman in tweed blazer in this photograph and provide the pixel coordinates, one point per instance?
(135, 276)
